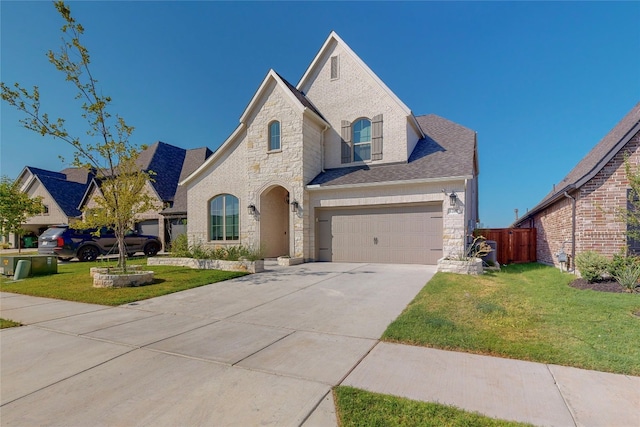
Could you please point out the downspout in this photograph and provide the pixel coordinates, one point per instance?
(467, 232)
(573, 231)
(322, 147)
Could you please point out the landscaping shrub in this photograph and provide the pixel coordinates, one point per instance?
(628, 277)
(198, 251)
(620, 262)
(180, 246)
(592, 265)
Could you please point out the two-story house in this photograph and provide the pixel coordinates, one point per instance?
(337, 168)
(66, 193)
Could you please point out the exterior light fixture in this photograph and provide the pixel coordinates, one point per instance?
(294, 206)
(453, 197)
(251, 209)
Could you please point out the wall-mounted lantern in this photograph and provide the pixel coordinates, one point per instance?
(453, 198)
(294, 206)
(251, 209)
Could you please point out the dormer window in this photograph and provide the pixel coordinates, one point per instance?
(274, 136)
(361, 140)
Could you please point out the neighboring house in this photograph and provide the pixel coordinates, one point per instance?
(168, 164)
(598, 188)
(67, 192)
(61, 193)
(337, 168)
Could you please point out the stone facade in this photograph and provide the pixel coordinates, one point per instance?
(472, 267)
(210, 264)
(310, 125)
(128, 280)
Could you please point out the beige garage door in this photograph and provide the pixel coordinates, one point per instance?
(401, 234)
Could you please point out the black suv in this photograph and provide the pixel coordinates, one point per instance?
(67, 243)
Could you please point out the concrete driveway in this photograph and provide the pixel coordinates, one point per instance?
(263, 349)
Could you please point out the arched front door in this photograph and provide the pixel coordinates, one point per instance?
(274, 221)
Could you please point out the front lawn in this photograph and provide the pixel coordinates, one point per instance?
(526, 312)
(73, 283)
(362, 408)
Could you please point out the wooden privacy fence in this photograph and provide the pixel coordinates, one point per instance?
(514, 245)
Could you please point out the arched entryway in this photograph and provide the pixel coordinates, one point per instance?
(274, 221)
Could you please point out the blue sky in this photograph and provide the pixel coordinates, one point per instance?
(540, 82)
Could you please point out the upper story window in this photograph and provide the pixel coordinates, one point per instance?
(274, 136)
(335, 67)
(45, 209)
(224, 214)
(361, 140)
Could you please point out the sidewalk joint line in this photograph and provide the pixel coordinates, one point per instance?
(555, 382)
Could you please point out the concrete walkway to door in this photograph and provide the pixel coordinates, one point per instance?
(263, 349)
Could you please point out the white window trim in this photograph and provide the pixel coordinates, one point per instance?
(269, 149)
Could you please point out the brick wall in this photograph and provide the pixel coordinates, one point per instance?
(598, 227)
(597, 201)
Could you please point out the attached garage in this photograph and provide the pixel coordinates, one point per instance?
(402, 234)
(149, 227)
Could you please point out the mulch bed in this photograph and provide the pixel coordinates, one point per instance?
(604, 286)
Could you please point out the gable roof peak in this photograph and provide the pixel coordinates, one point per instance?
(593, 162)
(296, 97)
(321, 57)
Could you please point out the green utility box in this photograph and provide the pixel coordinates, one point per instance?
(40, 264)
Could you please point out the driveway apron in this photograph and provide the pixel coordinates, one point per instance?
(264, 349)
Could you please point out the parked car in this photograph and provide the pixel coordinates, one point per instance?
(67, 243)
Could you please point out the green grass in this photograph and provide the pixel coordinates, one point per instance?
(525, 312)
(4, 323)
(73, 283)
(362, 408)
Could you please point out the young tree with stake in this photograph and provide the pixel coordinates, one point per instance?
(107, 150)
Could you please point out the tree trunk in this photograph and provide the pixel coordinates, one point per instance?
(122, 250)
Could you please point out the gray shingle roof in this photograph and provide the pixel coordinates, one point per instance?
(81, 175)
(301, 97)
(593, 162)
(166, 161)
(193, 160)
(448, 150)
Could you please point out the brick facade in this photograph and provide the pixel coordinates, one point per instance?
(598, 227)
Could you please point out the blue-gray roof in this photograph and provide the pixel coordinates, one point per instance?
(66, 187)
(67, 194)
(166, 161)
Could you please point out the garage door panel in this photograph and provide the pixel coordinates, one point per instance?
(400, 234)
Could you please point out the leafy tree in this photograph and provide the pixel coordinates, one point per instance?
(108, 151)
(16, 208)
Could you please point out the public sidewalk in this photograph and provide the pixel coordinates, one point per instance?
(543, 395)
